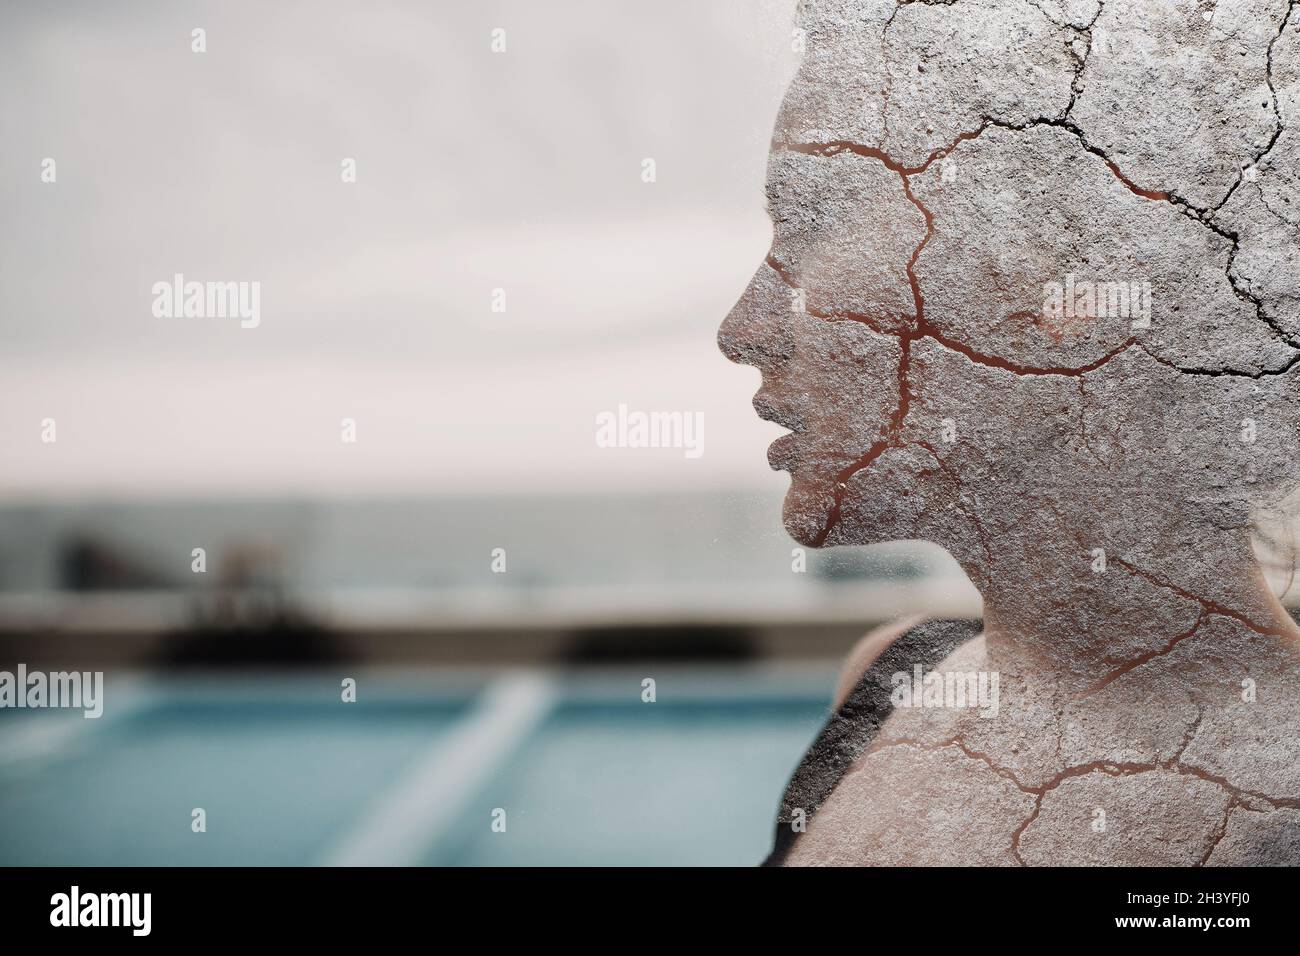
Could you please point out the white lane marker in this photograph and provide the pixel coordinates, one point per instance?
(48, 735)
(406, 820)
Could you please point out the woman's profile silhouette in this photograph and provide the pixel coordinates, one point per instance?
(1033, 295)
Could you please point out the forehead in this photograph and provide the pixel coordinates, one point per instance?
(909, 79)
(976, 89)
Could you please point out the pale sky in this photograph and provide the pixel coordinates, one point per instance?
(475, 170)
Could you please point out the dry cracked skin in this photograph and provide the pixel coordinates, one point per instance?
(1034, 294)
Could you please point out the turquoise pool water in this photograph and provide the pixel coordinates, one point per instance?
(421, 771)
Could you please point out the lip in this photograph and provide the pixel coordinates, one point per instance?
(770, 408)
(781, 454)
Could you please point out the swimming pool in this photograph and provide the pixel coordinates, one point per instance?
(449, 768)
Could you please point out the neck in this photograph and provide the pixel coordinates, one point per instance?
(1084, 615)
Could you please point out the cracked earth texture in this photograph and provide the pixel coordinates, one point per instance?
(935, 167)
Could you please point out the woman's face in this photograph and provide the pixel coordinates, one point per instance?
(1008, 325)
(1005, 280)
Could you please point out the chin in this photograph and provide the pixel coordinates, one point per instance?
(807, 509)
(893, 503)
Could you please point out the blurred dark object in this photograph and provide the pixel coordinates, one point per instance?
(250, 629)
(686, 643)
(89, 565)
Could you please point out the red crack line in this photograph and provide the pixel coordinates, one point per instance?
(956, 742)
(890, 439)
(871, 322)
(1208, 606)
(1114, 768)
(1122, 769)
(924, 329)
(1189, 736)
(1154, 195)
(836, 146)
(1020, 830)
(1275, 803)
(1148, 656)
(1197, 214)
(1220, 832)
(974, 519)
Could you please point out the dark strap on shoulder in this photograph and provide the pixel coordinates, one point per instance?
(850, 730)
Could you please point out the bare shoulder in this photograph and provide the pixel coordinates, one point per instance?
(985, 762)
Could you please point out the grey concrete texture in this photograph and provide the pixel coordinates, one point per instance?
(1034, 294)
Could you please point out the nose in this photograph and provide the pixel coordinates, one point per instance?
(755, 331)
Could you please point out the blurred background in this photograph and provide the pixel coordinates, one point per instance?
(499, 587)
